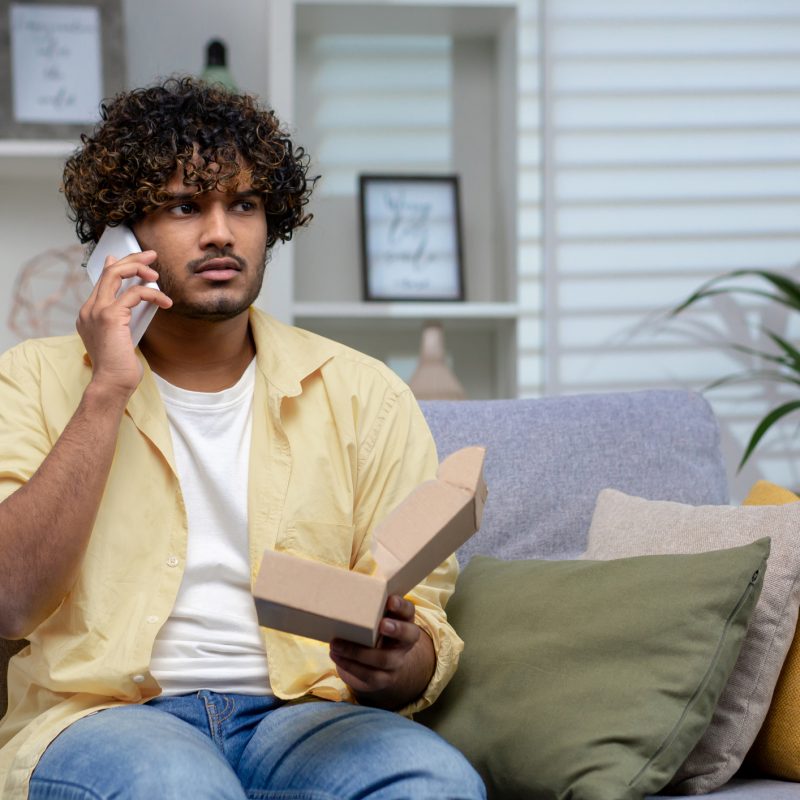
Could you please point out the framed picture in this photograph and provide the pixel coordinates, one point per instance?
(58, 60)
(411, 237)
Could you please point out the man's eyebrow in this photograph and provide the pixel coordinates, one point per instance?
(183, 196)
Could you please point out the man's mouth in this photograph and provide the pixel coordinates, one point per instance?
(218, 269)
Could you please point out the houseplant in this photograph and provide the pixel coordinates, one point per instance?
(782, 364)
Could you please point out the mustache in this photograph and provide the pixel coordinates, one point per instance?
(193, 266)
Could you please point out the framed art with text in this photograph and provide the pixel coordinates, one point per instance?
(411, 237)
(58, 60)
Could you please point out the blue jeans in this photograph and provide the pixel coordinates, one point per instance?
(229, 746)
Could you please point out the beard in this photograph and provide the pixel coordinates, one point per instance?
(221, 303)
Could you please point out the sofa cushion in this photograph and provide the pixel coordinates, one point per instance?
(592, 679)
(755, 789)
(777, 748)
(629, 526)
(548, 458)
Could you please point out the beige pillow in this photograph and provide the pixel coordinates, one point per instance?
(628, 526)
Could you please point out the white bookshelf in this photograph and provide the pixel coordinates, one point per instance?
(321, 271)
(39, 159)
(305, 286)
(487, 312)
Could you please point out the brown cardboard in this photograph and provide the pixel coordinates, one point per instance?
(324, 602)
(316, 600)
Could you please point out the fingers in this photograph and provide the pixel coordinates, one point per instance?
(390, 651)
(398, 635)
(397, 630)
(371, 670)
(368, 669)
(115, 271)
(106, 304)
(362, 679)
(398, 607)
(104, 319)
(134, 295)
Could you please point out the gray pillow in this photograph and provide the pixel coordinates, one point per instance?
(628, 526)
(547, 459)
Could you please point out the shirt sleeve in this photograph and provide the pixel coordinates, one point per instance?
(397, 455)
(24, 437)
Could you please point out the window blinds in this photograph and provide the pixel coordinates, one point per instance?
(356, 95)
(660, 146)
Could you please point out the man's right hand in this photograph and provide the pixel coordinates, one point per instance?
(104, 319)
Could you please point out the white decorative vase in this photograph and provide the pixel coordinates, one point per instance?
(433, 379)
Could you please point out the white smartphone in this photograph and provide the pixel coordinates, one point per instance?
(119, 241)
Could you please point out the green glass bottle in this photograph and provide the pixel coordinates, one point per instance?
(216, 70)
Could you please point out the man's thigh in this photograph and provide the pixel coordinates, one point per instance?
(131, 753)
(337, 750)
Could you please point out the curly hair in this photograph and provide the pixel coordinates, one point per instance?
(216, 137)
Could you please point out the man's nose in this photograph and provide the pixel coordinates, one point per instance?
(216, 231)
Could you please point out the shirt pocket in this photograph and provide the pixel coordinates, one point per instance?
(321, 541)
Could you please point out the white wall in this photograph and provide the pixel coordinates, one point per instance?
(167, 38)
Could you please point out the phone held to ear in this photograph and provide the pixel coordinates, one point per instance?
(119, 241)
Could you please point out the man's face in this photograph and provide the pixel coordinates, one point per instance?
(211, 249)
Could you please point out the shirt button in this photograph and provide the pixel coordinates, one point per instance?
(172, 561)
(138, 678)
(152, 619)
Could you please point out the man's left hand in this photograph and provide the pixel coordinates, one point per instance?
(395, 671)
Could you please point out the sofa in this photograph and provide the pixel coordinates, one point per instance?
(548, 460)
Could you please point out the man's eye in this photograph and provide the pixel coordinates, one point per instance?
(183, 209)
(246, 205)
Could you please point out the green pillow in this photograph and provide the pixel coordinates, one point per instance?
(593, 679)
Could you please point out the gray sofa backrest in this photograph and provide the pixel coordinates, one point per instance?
(548, 458)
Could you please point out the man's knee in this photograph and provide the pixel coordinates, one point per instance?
(133, 752)
(432, 762)
(348, 750)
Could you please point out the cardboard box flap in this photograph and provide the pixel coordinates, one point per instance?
(464, 468)
(410, 526)
(432, 522)
(433, 552)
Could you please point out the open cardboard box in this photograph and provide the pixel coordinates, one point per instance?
(324, 602)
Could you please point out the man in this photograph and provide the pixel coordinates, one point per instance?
(141, 487)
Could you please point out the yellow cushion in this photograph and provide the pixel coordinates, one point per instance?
(776, 751)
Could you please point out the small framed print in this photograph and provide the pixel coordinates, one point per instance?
(58, 60)
(411, 237)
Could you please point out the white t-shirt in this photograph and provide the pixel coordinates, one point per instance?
(212, 639)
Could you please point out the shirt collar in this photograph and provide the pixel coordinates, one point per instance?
(285, 355)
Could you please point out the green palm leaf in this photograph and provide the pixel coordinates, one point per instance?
(783, 290)
(788, 289)
(754, 374)
(792, 354)
(775, 358)
(765, 425)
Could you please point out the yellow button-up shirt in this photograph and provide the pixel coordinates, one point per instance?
(338, 440)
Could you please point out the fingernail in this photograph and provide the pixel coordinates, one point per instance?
(389, 626)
